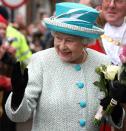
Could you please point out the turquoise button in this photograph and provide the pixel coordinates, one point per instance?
(80, 85)
(77, 67)
(82, 122)
(83, 104)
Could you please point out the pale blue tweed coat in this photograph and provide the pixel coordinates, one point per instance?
(53, 95)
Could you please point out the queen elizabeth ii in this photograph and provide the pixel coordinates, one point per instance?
(57, 86)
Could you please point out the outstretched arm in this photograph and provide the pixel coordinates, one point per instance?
(19, 82)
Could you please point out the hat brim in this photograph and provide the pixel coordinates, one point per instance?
(58, 26)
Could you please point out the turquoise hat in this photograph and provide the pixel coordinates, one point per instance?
(75, 19)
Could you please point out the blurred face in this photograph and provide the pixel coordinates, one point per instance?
(114, 11)
(69, 48)
(20, 19)
(3, 28)
(5, 48)
(86, 2)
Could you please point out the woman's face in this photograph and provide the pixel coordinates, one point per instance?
(114, 11)
(68, 47)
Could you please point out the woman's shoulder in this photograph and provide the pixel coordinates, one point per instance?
(45, 56)
(45, 53)
(98, 57)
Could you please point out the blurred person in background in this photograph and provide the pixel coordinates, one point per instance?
(97, 4)
(47, 37)
(35, 37)
(22, 53)
(37, 32)
(39, 36)
(17, 40)
(30, 33)
(114, 12)
(7, 59)
(57, 85)
(20, 24)
(86, 2)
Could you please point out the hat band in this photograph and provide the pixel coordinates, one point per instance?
(54, 22)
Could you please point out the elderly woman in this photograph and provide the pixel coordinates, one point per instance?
(57, 86)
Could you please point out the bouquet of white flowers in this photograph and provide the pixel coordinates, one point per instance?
(109, 74)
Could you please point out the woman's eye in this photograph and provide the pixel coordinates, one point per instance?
(69, 41)
(58, 38)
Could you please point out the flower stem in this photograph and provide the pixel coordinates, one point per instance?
(98, 116)
(96, 122)
(110, 107)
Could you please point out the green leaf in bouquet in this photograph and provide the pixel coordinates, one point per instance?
(122, 74)
(102, 84)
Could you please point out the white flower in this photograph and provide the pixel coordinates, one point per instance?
(111, 71)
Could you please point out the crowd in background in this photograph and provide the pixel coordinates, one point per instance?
(36, 34)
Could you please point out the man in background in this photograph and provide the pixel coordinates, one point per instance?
(114, 12)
